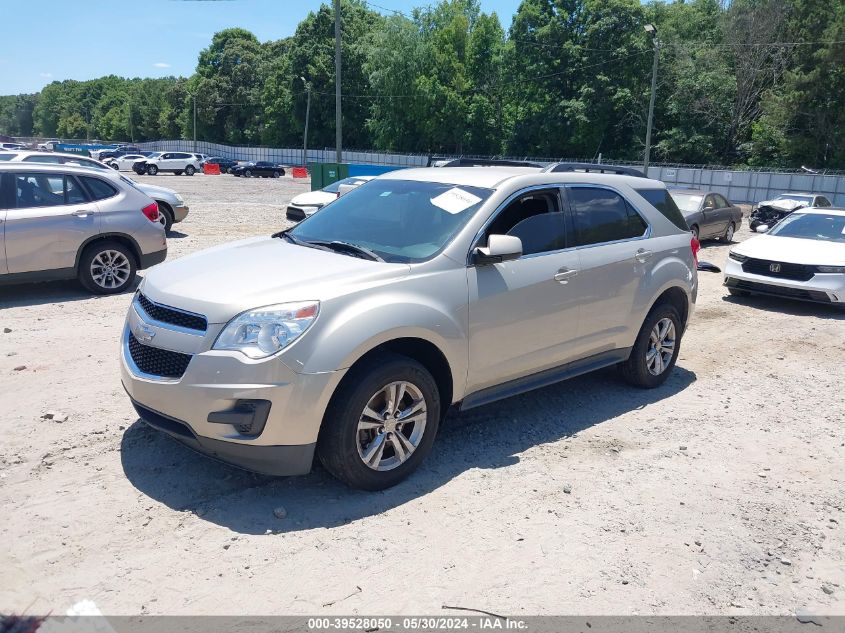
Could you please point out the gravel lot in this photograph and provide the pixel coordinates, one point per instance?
(721, 492)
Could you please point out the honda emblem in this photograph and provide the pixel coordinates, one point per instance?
(774, 268)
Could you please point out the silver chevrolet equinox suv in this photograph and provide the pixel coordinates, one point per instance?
(352, 334)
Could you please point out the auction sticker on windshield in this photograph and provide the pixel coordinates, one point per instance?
(455, 200)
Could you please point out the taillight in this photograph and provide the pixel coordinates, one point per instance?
(695, 245)
(151, 211)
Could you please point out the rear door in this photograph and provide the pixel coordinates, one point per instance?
(616, 257)
(52, 217)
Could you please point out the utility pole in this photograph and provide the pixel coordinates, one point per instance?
(195, 121)
(307, 115)
(337, 107)
(651, 30)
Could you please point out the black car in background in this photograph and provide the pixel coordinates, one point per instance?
(226, 164)
(261, 168)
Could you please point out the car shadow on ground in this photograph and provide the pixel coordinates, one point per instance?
(175, 235)
(489, 437)
(788, 306)
(33, 294)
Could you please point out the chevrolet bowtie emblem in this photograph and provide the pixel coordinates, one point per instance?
(144, 333)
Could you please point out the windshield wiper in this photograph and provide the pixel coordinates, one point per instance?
(300, 242)
(350, 249)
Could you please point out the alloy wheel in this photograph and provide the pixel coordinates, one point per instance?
(110, 269)
(661, 346)
(391, 426)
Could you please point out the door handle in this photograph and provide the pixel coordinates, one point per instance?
(564, 274)
(643, 255)
(81, 213)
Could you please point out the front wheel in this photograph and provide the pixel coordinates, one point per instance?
(656, 349)
(106, 268)
(248, 173)
(381, 422)
(152, 170)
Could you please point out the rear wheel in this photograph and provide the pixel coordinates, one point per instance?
(190, 170)
(728, 237)
(177, 173)
(381, 422)
(656, 349)
(114, 166)
(276, 174)
(152, 170)
(106, 268)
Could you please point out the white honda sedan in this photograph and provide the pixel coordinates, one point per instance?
(801, 257)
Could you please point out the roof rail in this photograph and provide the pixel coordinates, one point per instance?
(595, 167)
(487, 162)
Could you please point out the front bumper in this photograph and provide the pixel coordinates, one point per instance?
(180, 213)
(267, 460)
(821, 288)
(215, 382)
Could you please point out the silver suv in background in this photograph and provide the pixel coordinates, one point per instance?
(354, 332)
(65, 221)
(171, 205)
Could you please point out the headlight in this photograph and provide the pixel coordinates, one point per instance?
(737, 257)
(264, 331)
(180, 200)
(831, 269)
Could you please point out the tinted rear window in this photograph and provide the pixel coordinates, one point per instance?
(99, 189)
(663, 202)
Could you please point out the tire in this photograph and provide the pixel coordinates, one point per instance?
(638, 370)
(91, 274)
(165, 216)
(177, 173)
(114, 166)
(152, 170)
(694, 229)
(275, 174)
(342, 446)
(248, 173)
(190, 170)
(736, 292)
(728, 237)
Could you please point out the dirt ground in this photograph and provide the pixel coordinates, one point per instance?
(721, 492)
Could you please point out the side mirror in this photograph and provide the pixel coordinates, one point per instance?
(500, 248)
(762, 228)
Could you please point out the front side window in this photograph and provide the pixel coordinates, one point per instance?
(398, 220)
(721, 203)
(5, 156)
(601, 215)
(821, 201)
(534, 218)
(46, 190)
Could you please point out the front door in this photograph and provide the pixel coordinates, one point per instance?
(51, 219)
(524, 313)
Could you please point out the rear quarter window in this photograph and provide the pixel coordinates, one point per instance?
(99, 189)
(661, 200)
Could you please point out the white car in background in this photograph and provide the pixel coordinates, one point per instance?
(801, 257)
(125, 162)
(307, 204)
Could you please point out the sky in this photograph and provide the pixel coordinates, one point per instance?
(52, 40)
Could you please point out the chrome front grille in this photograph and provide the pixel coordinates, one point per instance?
(172, 316)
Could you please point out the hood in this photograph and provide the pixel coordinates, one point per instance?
(154, 189)
(793, 250)
(224, 281)
(313, 198)
(783, 204)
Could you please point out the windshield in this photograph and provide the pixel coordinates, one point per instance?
(805, 199)
(335, 186)
(687, 202)
(399, 220)
(812, 226)
(5, 156)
